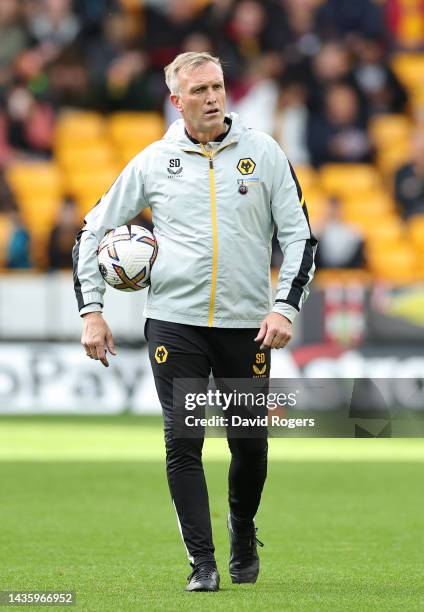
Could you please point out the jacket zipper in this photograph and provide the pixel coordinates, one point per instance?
(209, 155)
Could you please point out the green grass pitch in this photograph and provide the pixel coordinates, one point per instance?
(84, 506)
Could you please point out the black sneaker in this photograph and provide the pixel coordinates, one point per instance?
(204, 577)
(244, 559)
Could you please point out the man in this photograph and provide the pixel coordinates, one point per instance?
(215, 189)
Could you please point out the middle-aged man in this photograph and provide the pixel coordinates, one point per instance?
(216, 189)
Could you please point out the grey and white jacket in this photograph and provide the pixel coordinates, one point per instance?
(214, 241)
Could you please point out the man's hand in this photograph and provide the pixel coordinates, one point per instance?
(275, 331)
(97, 338)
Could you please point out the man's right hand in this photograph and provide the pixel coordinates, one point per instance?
(97, 338)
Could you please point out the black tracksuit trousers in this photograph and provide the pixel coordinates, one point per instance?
(186, 351)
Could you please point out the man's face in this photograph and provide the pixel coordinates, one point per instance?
(201, 98)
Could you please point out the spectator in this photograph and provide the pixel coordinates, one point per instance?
(166, 29)
(93, 11)
(197, 41)
(116, 37)
(219, 28)
(255, 99)
(31, 9)
(377, 82)
(129, 84)
(14, 39)
(247, 28)
(339, 133)
(291, 120)
(342, 17)
(7, 199)
(5, 149)
(54, 27)
(69, 80)
(306, 71)
(18, 250)
(219, 16)
(29, 122)
(249, 33)
(409, 180)
(296, 34)
(13, 35)
(62, 237)
(340, 244)
(331, 65)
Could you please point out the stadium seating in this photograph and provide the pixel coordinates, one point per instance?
(387, 130)
(317, 204)
(38, 188)
(409, 68)
(416, 232)
(79, 127)
(390, 229)
(391, 136)
(340, 179)
(369, 209)
(390, 254)
(84, 182)
(308, 177)
(85, 202)
(28, 179)
(130, 133)
(392, 158)
(85, 141)
(395, 263)
(92, 155)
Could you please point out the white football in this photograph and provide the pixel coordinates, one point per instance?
(126, 256)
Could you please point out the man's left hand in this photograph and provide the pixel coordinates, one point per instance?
(275, 331)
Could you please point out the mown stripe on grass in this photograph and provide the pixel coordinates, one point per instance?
(23, 441)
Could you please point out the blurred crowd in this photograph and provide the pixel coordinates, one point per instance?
(311, 73)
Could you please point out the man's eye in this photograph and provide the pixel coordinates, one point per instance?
(218, 86)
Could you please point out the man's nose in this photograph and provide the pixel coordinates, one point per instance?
(211, 96)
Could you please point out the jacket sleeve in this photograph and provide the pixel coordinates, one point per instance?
(120, 204)
(294, 236)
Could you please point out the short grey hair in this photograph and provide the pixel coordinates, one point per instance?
(184, 62)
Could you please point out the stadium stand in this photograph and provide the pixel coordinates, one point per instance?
(82, 92)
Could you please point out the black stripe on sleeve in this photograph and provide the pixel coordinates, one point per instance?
(296, 182)
(289, 303)
(314, 241)
(301, 279)
(75, 259)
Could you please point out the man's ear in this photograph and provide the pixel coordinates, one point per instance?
(176, 101)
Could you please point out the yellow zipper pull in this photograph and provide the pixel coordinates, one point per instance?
(209, 155)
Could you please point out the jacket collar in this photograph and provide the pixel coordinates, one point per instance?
(177, 134)
(227, 120)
